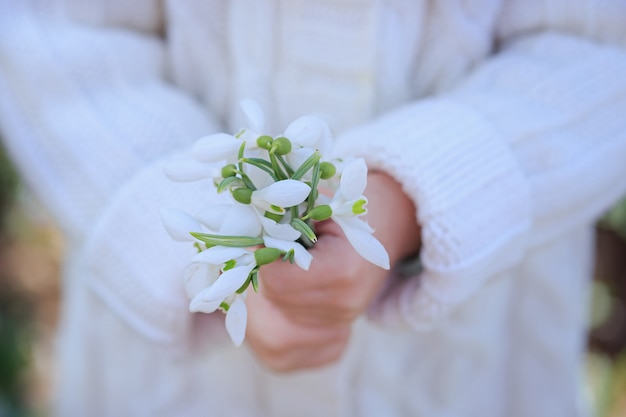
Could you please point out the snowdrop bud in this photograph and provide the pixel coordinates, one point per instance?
(229, 170)
(327, 170)
(281, 146)
(264, 256)
(264, 142)
(243, 195)
(320, 213)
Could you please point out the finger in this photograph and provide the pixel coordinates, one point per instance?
(283, 345)
(333, 262)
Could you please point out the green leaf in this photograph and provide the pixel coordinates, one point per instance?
(245, 285)
(229, 241)
(285, 165)
(254, 279)
(315, 179)
(228, 183)
(262, 164)
(306, 165)
(302, 227)
(278, 171)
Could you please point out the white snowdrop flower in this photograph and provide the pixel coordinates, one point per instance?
(253, 112)
(212, 216)
(237, 319)
(199, 275)
(256, 122)
(186, 169)
(353, 179)
(348, 203)
(310, 132)
(179, 224)
(241, 220)
(218, 147)
(301, 256)
(228, 282)
(283, 237)
(222, 147)
(279, 195)
(279, 230)
(359, 234)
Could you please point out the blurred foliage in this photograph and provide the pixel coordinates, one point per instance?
(16, 335)
(16, 321)
(615, 219)
(8, 186)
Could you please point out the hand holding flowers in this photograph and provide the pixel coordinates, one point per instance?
(273, 186)
(312, 312)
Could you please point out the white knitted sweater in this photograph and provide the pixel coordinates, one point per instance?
(505, 122)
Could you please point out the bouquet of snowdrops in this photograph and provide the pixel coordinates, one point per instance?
(273, 185)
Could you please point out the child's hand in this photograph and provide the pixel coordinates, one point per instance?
(302, 319)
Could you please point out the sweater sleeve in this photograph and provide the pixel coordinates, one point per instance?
(530, 144)
(87, 114)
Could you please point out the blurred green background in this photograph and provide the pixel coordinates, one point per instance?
(30, 251)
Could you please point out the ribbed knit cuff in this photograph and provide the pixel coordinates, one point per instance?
(472, 201)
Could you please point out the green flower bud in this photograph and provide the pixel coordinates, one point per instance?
(320, 213)
(229, 170)
(242, 195)
(264, 256)
(264, 142)
(281, 146)
(359, 207)
(327, 170)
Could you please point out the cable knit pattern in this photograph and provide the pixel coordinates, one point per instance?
(504, 121)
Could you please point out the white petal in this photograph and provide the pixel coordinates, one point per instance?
(345, 208)
(278, 230)
(217, 255)
(178, 224)
(355, 222)
(186, 169)
(285, 193)
(229, 282)
(305, 131)
(354, 179)
(198, 276)
(213, 215)
(241, 220)
(216, 148)
(237, 320)
(199, 305)
(302, 257)
(253, 112)
(258, 177)
(365, 244)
